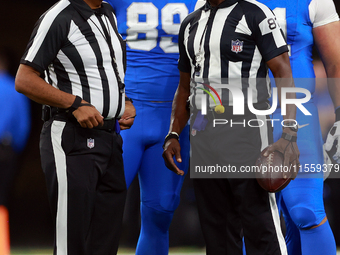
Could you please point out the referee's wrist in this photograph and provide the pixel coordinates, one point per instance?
(289, 137)
(171, 135)
(76, 104)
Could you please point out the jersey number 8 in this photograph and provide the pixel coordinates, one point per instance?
(280, 14)
(149, 26)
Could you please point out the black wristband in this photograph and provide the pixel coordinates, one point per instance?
(288, 137)
(85, 104)
(292, 125)
(76, 104)
(171, 135)
(128, 99)
(337, 114)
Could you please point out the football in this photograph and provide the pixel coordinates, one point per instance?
(271, 174)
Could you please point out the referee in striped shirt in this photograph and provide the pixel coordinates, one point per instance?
(74, 65)
(234, 41)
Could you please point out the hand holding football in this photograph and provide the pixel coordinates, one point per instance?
(271, 173)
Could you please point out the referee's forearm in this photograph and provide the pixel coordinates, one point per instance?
(29, 83)
(290, 108)
(180, 113)
(282, 72)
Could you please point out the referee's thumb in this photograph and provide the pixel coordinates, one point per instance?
(178, 156)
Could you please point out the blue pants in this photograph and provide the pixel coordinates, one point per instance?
(160, 187)
(302, 200)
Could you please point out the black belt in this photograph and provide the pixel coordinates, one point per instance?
(63, 114)
(109, 125)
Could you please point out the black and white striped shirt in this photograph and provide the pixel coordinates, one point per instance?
(230, 44)
(70, 46)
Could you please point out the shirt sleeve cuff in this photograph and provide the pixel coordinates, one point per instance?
(34, 66)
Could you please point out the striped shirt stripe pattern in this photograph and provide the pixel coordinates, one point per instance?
(70, 47)
(229, 45)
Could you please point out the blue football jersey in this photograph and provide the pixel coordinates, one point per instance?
(293, 17)
(151, 32)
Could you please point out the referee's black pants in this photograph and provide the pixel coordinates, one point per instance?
(233, 204)
(86, 186)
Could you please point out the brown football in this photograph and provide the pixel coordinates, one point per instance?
(271, 174)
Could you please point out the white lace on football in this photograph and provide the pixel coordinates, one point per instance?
(270, 158)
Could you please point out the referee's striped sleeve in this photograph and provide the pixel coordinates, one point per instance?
(47, 38)
(184, 61)
(189, 25)
(267, 33)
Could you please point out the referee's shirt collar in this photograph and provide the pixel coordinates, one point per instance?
(84, 10)
(224, 4)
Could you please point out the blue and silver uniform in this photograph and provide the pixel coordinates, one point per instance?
(302, 200)
(151, 32)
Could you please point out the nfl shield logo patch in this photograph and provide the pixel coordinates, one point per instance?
(90, 143)
(236, 46)
(193, 132)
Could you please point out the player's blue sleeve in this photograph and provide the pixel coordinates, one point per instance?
(15, 115)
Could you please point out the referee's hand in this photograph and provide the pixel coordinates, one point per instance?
(88, 116)
(171, 149)
(128, 117)
(290, 153)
